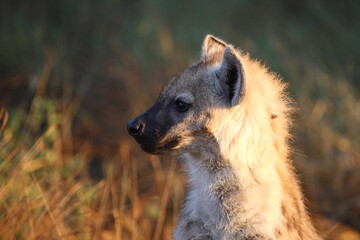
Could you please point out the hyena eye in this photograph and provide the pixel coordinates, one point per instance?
(181, 106)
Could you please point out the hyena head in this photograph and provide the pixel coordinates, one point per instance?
(177, 122)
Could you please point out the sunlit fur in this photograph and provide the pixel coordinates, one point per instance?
(252, 193)
(256, 147)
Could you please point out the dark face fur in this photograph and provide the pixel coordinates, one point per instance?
(175, 116)
(177, 121)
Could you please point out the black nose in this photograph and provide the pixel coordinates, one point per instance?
(135, 127)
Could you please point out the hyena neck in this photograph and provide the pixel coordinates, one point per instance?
(262, 201)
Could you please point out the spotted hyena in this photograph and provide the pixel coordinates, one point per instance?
(227, 119)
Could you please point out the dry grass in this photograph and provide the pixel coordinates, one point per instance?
(46, 192)
(45, 195)
(72, 75)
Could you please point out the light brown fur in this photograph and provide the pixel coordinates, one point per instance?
(233, 139)
(265, 201)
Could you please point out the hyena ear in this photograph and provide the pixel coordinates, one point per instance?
(232, 76)
(212, 47)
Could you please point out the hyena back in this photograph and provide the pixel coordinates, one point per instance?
(227, 119)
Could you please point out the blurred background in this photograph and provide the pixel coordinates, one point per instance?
(72, 73)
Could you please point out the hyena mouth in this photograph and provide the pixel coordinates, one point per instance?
(153, 149)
